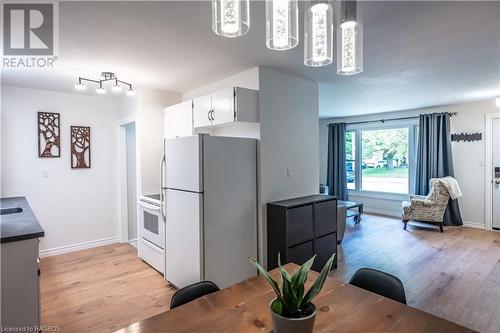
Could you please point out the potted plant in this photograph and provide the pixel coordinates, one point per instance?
(292, 311)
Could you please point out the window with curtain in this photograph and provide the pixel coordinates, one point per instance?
(381, 158)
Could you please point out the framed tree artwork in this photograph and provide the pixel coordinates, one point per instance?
(49, 139)
(80, 147)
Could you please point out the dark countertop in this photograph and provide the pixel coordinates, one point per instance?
(18, 226)
(296, 202)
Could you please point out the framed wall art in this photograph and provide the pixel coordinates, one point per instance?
(80, 147)
(49, 139)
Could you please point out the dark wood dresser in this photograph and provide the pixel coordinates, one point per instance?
(300, 228)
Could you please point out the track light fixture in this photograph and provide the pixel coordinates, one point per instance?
(106, 77)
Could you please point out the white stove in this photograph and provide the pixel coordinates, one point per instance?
(151, 229)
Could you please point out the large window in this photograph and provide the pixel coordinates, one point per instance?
(350, 152)
(381, 159)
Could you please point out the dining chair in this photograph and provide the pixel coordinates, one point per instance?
(192, 292)
(380, 283)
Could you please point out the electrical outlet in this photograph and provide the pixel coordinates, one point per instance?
(289, 173)
(482, 162)
(45, 173)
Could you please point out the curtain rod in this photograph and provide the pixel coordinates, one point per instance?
(392, 119)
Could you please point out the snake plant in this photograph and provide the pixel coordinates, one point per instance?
(291, 299)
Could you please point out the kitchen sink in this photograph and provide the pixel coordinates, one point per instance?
(14, 210)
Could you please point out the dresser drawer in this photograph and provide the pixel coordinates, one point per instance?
(299, 225)
(299, 254)
(325, 218)
(324, 247)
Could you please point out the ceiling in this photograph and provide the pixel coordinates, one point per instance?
(416, 54)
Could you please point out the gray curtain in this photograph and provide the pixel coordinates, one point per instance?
(336, 171)
(435, 159)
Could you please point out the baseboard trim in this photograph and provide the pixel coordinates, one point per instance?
(79, 246)
(392, 213)
(383, 212)
(133, 242)
(474, 225)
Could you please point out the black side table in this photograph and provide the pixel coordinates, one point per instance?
(354, 209)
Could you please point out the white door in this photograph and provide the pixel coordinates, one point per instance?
(202, 111)
(496, 173)
(183, 255)
(183, 164)
(178, 120)
(223, 105)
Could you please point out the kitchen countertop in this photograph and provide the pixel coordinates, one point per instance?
(18, 226)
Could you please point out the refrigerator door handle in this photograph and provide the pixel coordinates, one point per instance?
(162, 185)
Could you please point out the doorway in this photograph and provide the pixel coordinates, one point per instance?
(496, 173)
(130, 160)
(492, 172)
(129, 181)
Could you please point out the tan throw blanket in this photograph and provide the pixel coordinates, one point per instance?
(452, 187)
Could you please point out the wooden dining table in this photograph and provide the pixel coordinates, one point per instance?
(244, 307)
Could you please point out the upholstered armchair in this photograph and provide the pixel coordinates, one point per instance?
(428, 209)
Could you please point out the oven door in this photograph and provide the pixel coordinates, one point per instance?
(151, 227)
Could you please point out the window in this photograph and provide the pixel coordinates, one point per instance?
(381, 159)
(350, 155)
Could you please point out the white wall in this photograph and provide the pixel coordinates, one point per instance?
(289, 119)
(468, 157)
(72, 205)
(147, 106)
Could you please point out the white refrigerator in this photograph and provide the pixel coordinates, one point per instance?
(210, 205)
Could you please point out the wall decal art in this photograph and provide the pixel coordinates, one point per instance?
(80, 147)
(49, 140)
(466, 137)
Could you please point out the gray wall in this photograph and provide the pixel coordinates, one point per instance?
(289, 119)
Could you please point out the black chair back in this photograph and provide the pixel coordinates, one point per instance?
(379, 282)
(192, 292)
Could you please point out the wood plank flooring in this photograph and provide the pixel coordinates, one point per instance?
(454, 275)
(100, 289)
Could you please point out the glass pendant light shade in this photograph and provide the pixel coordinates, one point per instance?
(349, 40)
(282, 24)
(230, 18)
(318, 34)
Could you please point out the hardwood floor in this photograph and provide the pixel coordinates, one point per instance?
(454, 275)
(100, 289)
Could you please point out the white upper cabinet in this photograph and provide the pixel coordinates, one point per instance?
(178, 120)
(225, 107)
(202, 111)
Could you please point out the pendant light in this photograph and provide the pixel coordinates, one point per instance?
(230, 18)
(282, 27)
(349, 40)
(318, 34)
